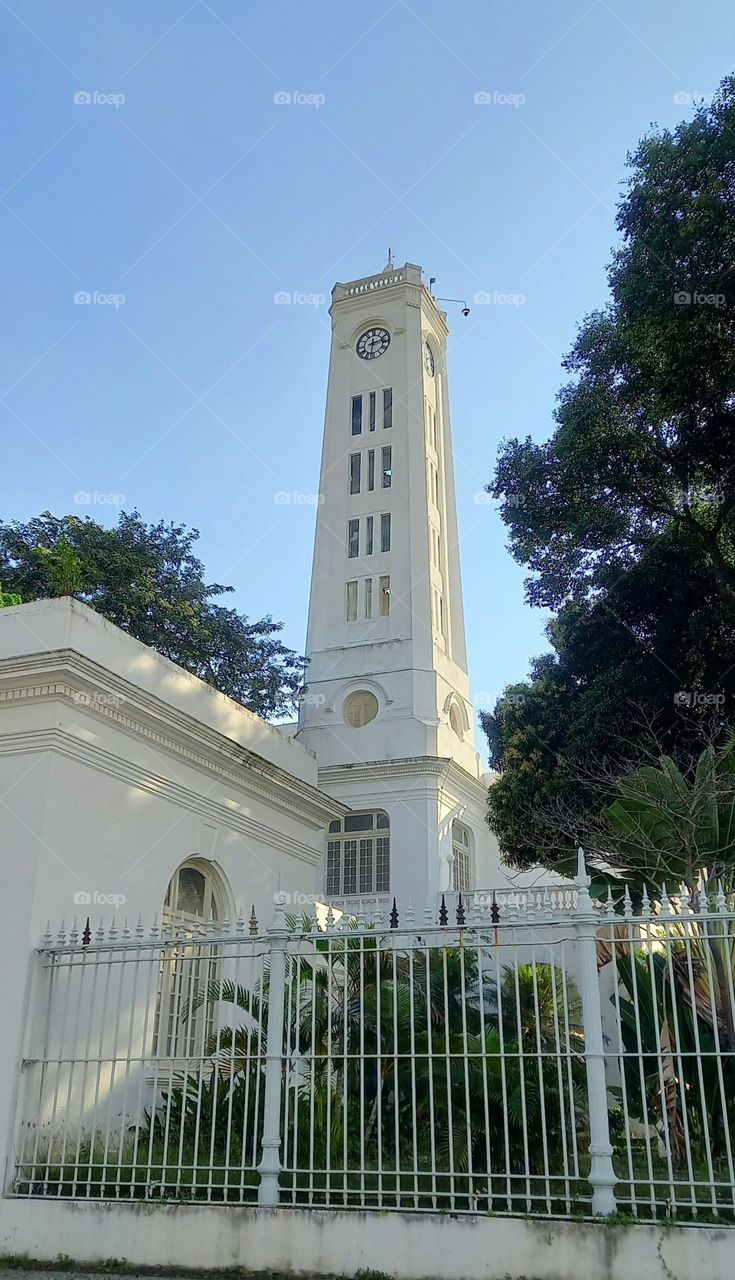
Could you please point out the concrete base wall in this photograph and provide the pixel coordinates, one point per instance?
(333, 1243)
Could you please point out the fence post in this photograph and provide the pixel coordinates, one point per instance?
(270, 1161)
(602, 1176)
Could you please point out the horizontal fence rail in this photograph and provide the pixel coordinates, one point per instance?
(482, 1059)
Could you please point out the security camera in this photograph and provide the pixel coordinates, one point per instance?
(465, 311)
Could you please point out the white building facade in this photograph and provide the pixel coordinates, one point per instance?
(387, 711)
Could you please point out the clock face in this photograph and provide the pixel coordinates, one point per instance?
(372, 343)
(428, 360)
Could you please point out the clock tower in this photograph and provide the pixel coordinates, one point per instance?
(387, 708)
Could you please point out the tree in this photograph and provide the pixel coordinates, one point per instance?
(146, 579)
(8, 598)
(626, 515)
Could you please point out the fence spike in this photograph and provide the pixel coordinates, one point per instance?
(112, 933)
(126, 932)
(665, 904)
(443, 913)
(99, 936)
(721, 898)
(73, 933)
(47, 937)
(154, 928)
(239, 922)
(645, 902)
(394, 916)
(410, 915)
(253, 923)
(86, 934)
(460, 912)
(428, 918)
(609, 904)
(684, 898)
(62, 934)
(627, 904)
(494, 910)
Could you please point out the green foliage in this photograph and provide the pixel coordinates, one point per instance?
(625, 517)
(677, 1031)
(8, 598)
(668, 830)
(390, 1054)
(146, 579)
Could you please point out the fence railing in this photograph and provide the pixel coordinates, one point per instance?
(507, 1064)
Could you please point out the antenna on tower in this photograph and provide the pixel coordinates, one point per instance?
(389, 264)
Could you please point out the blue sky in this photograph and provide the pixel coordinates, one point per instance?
(186, 197)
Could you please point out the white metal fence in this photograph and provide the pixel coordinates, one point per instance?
(514, 1061)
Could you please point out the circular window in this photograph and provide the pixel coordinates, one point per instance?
(455, 720)
(360, 708)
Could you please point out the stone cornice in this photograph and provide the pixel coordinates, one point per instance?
(93, 757)
(69, 677)
(440, 767)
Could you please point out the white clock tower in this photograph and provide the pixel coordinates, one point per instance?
(387, 709)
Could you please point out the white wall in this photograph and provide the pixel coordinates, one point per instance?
(115, 767)
(333, 1243)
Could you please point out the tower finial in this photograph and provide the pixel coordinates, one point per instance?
(389, 264)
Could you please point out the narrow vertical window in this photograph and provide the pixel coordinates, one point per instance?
(356, 415)
(350, 867)
(354, 473)
(384, 596)
(387, 466)
(433, 427)
(368, 535)
(388, 407)
(333, 878)
(352, 601)
(371, 470)
(371, 411)
(368, 597)
(441, 615)
(385, 532)
(353, 538)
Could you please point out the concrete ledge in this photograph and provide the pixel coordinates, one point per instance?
(410, 1246)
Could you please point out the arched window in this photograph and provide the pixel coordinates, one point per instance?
(455, 720)
(358, 855)
(461, 858)
(189, 963)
